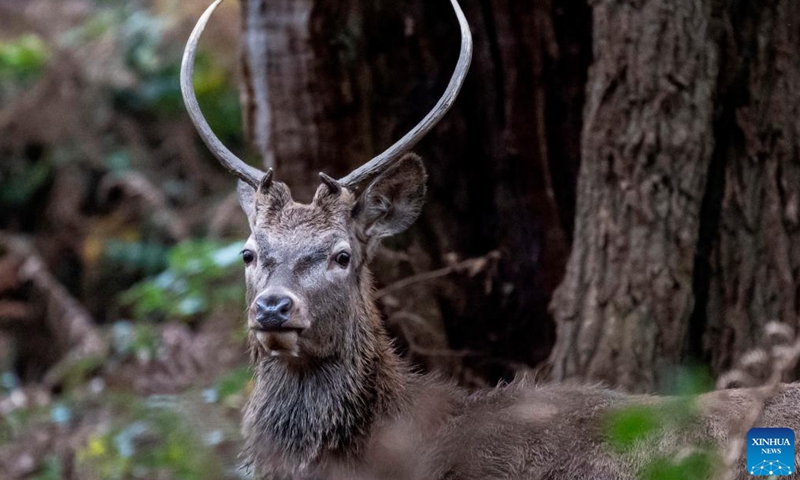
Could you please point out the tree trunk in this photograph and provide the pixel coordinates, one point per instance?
(279, 103)
(623, 309)
(755, 276)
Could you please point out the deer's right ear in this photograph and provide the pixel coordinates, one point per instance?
(247, 200)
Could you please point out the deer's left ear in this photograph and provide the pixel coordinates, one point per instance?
(393, 200)
(247, 200)
(265, 202)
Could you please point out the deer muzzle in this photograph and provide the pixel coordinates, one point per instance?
(272, 312)
(276, 310)
(278, 319)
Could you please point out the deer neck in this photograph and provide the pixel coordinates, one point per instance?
(302, 417)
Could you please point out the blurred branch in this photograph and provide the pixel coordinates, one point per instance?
(139, 189)
(784, 353)
(13, 313)
(401, 319)
(472, 266)
(224, 215)
(8, 274)
(28, 100)
(70, 324)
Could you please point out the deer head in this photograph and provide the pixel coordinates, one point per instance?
(307, 282)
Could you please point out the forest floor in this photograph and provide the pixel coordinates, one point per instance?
(174, 414)
(154, 400)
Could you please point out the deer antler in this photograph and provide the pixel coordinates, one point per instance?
(234, 164)
(396, 151)
(253, 176)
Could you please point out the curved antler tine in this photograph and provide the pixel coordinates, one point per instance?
(265, 182)
(231, 162)
(396, 151)
(334, 187)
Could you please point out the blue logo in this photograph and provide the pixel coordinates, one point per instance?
(770, 451)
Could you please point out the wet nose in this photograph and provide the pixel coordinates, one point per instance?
(272, 311)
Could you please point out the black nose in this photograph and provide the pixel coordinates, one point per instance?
(273, 311)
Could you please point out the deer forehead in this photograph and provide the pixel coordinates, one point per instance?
(299, 228)
(299, 240)
(319, 217)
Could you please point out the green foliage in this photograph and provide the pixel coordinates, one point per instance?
(133, 438)
(13, 423)
(19, 421)
(136, 256)
(231, 390)
(23, 59)
(20, 180)
(698, 465)
(156, 64)
(634, 428)
(51, 470)
(135, 74)
(234, 382)
(121, 111)
(199, 276)
(147, 440)
(135, 339)
(219, 100)
(73, 373)
(118, 161)
(686, 380)
(630, 425)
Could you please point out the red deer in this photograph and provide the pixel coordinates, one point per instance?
(332, 400)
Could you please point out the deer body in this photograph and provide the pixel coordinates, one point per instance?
(423, 428)
(333, 401)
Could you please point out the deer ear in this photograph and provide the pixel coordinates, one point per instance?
(392, 202)
(247, 200)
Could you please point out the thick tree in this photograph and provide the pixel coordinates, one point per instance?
(624, 306)
(754, 274)
(686, 229)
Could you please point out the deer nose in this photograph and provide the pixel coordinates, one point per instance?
(272, 311)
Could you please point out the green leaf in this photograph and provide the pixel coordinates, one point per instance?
(631, 424)
(234, 382)
(698, 465)
(23, 59)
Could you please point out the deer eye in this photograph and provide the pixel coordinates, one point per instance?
(248, 256)
(343, 259)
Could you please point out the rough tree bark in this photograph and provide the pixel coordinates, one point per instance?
(328, 84)
(623, 309)
(755, 264)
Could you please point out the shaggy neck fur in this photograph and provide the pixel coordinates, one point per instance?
(298, 417)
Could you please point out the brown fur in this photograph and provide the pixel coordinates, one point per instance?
(336, 402)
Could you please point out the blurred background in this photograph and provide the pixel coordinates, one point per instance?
(615, 197)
